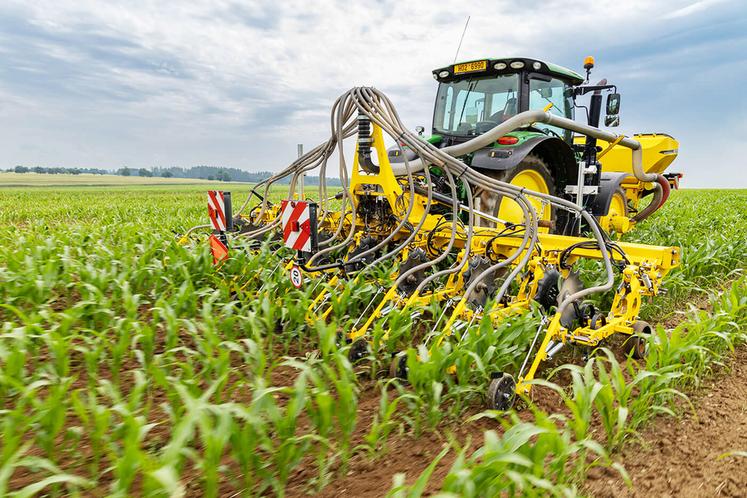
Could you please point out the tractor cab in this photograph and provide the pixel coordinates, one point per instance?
(474, 97)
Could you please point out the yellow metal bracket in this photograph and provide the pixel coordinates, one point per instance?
(610, 146)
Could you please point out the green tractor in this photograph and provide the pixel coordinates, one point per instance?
(474, 97)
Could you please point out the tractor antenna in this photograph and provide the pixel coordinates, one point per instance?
(461, 40)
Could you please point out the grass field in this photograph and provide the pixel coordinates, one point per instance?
(131, 366)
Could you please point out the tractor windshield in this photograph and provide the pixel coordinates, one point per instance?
(546, 91)
(472, 106)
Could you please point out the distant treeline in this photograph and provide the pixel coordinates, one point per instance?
(196, 172)
(60, 171)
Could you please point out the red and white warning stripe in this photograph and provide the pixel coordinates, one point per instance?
(217, 210)
(296, 225)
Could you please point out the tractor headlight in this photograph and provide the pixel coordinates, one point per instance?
(500, 66)
(517, 64)
(435, 76)
(536, 66)
(443, 74)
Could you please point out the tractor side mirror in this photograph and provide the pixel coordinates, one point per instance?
(613, 110)
(545, 92)
(612, 121)
(613, 103)
(420, 130)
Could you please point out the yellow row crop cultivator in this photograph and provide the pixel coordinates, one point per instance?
(489, 216)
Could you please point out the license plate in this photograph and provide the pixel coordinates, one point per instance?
(470, 67)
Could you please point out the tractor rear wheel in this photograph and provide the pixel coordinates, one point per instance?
(532, 173)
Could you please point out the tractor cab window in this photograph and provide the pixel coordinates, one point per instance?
(553, 91)
(472, 106)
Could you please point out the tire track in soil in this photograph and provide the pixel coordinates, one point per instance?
(680, 457)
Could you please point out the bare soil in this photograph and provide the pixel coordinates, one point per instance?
(684, 457)
(410, 454)
(674, 457)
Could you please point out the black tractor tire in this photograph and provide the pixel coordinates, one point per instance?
(491, 203)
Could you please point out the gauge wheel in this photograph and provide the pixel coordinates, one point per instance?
(532, 173)
(637, 345)
(501, 392)
(340, 339)
(548, 289)
(598, 320)
(398, 366)
(358, 350)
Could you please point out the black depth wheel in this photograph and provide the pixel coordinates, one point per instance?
(637, 345)
(598, 320)
(548, 289)
(340, 339)
(358, 350)
(501, 392)
(398, 366)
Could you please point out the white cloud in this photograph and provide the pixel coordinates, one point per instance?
(240, 83)
(693, 8)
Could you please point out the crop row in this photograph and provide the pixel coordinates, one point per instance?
(129, 364)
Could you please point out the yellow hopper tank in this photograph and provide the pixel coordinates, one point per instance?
(659, 150)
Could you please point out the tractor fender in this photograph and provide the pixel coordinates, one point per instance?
(556, 153)
(608, 185)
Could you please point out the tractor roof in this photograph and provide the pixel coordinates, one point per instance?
(488, 66)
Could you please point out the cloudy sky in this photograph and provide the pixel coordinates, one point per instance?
(239, 83)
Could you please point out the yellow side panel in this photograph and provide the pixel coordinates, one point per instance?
(659, 151)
